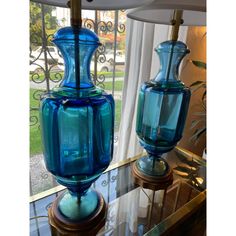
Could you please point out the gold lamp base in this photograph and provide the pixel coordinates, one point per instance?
(152, 182)
(61, 226)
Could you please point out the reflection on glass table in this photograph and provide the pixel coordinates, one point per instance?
(133, 210)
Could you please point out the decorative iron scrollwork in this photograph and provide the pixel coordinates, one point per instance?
(121, 28)
(33, 116)
(89, 24)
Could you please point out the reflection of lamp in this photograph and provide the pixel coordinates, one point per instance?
(77, 122)
(163, 101)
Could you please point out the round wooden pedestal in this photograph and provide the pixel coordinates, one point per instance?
(62, 226)
(152, 182)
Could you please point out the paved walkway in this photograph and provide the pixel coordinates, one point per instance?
(40, 179)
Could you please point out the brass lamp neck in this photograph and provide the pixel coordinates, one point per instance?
(75, 13)
(176, 22)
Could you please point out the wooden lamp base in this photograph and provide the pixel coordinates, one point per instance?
(152, 182)
(61, 226)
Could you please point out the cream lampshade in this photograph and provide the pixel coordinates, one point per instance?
(161, 12)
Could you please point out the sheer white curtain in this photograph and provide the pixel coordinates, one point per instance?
(141, 65)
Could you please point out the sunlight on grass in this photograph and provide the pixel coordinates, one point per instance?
(118, 85)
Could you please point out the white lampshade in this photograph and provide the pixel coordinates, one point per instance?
(161, 12)
(99, 4)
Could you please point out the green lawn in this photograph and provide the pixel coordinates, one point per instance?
(118, 85)
(110, 74)
(117, 114)
(35, 137)
(35, 140)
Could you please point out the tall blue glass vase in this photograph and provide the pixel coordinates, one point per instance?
(162, 110)
(77, 126)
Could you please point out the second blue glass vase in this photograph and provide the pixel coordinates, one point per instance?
(162, 109)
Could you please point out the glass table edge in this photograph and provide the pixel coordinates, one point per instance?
(111, 167)
(165, 226)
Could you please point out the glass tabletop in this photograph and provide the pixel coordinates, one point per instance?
(132, 210)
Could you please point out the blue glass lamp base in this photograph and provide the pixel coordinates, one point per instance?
(70, 215)
(152, 172)
(77, 208)
(152, 165)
